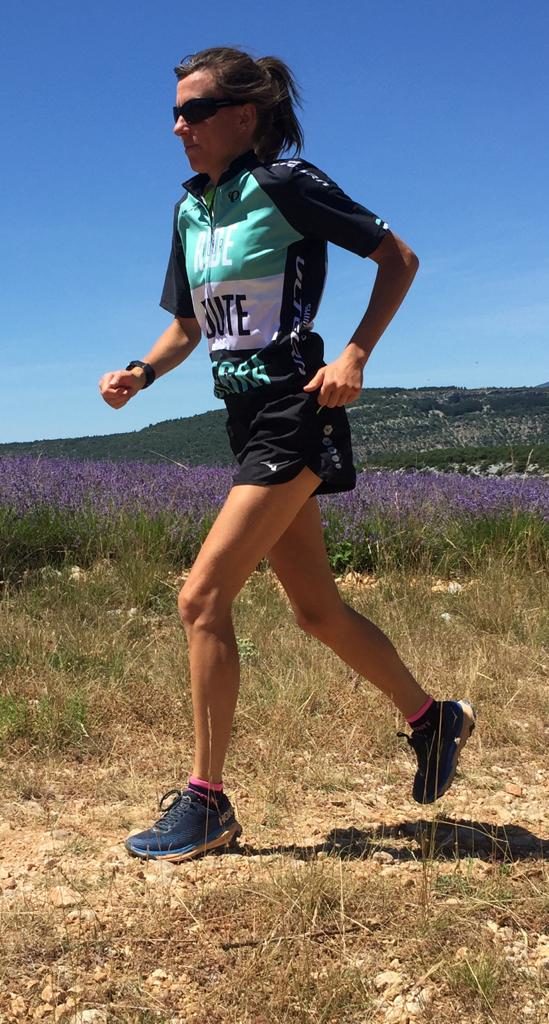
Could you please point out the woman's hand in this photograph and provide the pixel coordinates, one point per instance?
(119, 386)
(340, 382)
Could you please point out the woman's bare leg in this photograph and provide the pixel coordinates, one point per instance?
(251, 521)
(300, 561)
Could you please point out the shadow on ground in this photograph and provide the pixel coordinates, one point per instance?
(441, 838)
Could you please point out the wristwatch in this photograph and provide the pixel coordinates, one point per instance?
(150, 375)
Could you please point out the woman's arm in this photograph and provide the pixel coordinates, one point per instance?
(172, 347)
(341, 381)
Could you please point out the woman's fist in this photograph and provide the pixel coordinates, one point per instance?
(119, 386)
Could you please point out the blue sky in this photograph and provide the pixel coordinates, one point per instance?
(433, 113)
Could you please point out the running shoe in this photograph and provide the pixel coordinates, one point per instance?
(188, 827)
(437, 750)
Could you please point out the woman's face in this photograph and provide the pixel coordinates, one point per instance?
(212, 144)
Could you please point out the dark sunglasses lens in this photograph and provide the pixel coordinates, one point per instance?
(195, 111)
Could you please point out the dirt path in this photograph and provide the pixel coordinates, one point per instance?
(83, 922)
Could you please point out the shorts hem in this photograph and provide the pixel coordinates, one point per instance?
(325, 486)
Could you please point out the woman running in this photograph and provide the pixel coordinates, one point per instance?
(247, 269)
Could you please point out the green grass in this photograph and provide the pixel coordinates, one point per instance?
(147, 548)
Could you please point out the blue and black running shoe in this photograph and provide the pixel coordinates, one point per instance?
(188, 827)
(437, 749)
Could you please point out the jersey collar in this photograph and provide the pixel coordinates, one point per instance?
(246, 161)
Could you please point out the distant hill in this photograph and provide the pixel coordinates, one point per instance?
(445, 426)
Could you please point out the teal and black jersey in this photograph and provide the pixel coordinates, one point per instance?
(251, 266)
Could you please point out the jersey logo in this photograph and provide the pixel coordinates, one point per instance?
(232, 378)
(225, 316)
(234, 195)
(213, 248)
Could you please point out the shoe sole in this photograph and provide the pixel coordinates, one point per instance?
(227, 838)
(467, 727)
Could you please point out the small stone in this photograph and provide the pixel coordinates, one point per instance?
(63, 1009)
(90, 1017)
(161, 867)
(446, 616)
(62, 896)
(454, 587)
(388, 979)
(18, 1006)
(42, 1011)
(47, 993)
(514, 789)
(382, 857)
(158, 977)
(426, 995)
(395, 1015)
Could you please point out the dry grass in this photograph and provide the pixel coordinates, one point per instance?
(340, 877)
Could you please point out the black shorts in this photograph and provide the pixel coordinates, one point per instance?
(276, 429)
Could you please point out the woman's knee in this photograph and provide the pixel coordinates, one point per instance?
(322, 622)
(202, 606)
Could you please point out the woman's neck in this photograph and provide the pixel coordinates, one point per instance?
(215, 173)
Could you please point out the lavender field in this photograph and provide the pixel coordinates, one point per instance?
(52, 510)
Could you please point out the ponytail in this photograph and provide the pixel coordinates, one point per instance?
(268, 83)
(280, 129)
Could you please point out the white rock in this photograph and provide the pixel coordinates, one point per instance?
(90, 1017)
(62, 896)
(382, 857)
(388, 979)
(454, 587)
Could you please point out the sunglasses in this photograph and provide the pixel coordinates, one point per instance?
(194, 111)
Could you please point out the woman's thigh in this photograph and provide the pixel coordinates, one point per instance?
(300, 562)
(251, 521)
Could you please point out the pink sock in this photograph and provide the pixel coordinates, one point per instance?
(201, 785)
(422, 711)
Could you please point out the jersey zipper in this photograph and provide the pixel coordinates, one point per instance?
(208, 295)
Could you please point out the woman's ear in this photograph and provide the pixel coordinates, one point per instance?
(247, 121)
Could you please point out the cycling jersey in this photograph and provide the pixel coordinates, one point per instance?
(251, 268)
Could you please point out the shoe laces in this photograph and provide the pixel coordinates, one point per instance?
(421, 743)
(182, 803)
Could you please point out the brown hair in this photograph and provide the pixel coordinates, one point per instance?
(268, 83)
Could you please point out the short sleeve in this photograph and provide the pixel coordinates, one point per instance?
(317, 207)
(176, 294)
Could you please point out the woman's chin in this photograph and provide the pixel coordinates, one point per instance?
(196, 161)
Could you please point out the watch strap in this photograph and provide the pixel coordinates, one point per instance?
(150, 375)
